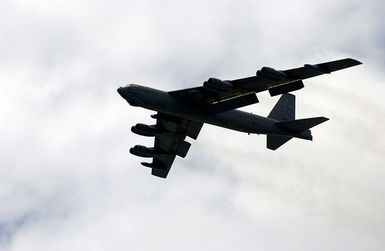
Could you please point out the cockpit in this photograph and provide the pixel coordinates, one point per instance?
(133, 93)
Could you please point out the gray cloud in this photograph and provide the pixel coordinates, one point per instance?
(68, 182)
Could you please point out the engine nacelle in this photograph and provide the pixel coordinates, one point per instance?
(145, 130)
(142, 151)
(270, 73)
(218, 84)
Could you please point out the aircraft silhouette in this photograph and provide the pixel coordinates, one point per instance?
(183, 112)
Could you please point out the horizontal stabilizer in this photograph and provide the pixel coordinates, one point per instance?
(301, 125)
(275, 141)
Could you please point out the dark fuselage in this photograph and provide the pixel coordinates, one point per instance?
(163, 102)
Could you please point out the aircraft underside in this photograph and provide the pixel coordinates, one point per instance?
(182, 113)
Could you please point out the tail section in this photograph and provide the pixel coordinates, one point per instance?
(284, 109)
(284, 112)
(301, 125)
(275, 141)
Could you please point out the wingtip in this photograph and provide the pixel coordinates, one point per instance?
(354, 61)
(159, 173)
(323, 119)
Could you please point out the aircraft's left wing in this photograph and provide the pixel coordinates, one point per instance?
(169, 142)
(275, 81)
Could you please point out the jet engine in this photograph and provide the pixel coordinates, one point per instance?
(270, 73)
(142, 151)
(145, 130)
(218, 84)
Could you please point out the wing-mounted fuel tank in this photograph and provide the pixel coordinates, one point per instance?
(270, 73)
(217, 84)
(145, 130)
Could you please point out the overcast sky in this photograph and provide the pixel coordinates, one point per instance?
(67, 181)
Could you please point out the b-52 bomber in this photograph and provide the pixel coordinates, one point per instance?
(183, 112)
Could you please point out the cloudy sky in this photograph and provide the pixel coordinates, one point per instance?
(67, 181)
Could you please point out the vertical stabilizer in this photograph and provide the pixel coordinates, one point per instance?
(284, 109)
(284, 114)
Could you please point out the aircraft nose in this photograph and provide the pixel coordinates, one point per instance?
(122, 92)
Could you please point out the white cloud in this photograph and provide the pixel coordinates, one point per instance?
(68, 182)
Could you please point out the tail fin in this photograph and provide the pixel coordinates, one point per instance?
(284, 112)
(284, 109)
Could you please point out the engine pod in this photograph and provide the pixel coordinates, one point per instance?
(217, 84)
(145, 130)
(271, 73)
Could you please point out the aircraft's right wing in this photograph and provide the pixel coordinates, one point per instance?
(275, 81)
(269, 78)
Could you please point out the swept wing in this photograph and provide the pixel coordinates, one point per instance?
(275, 81)
(169, 142)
